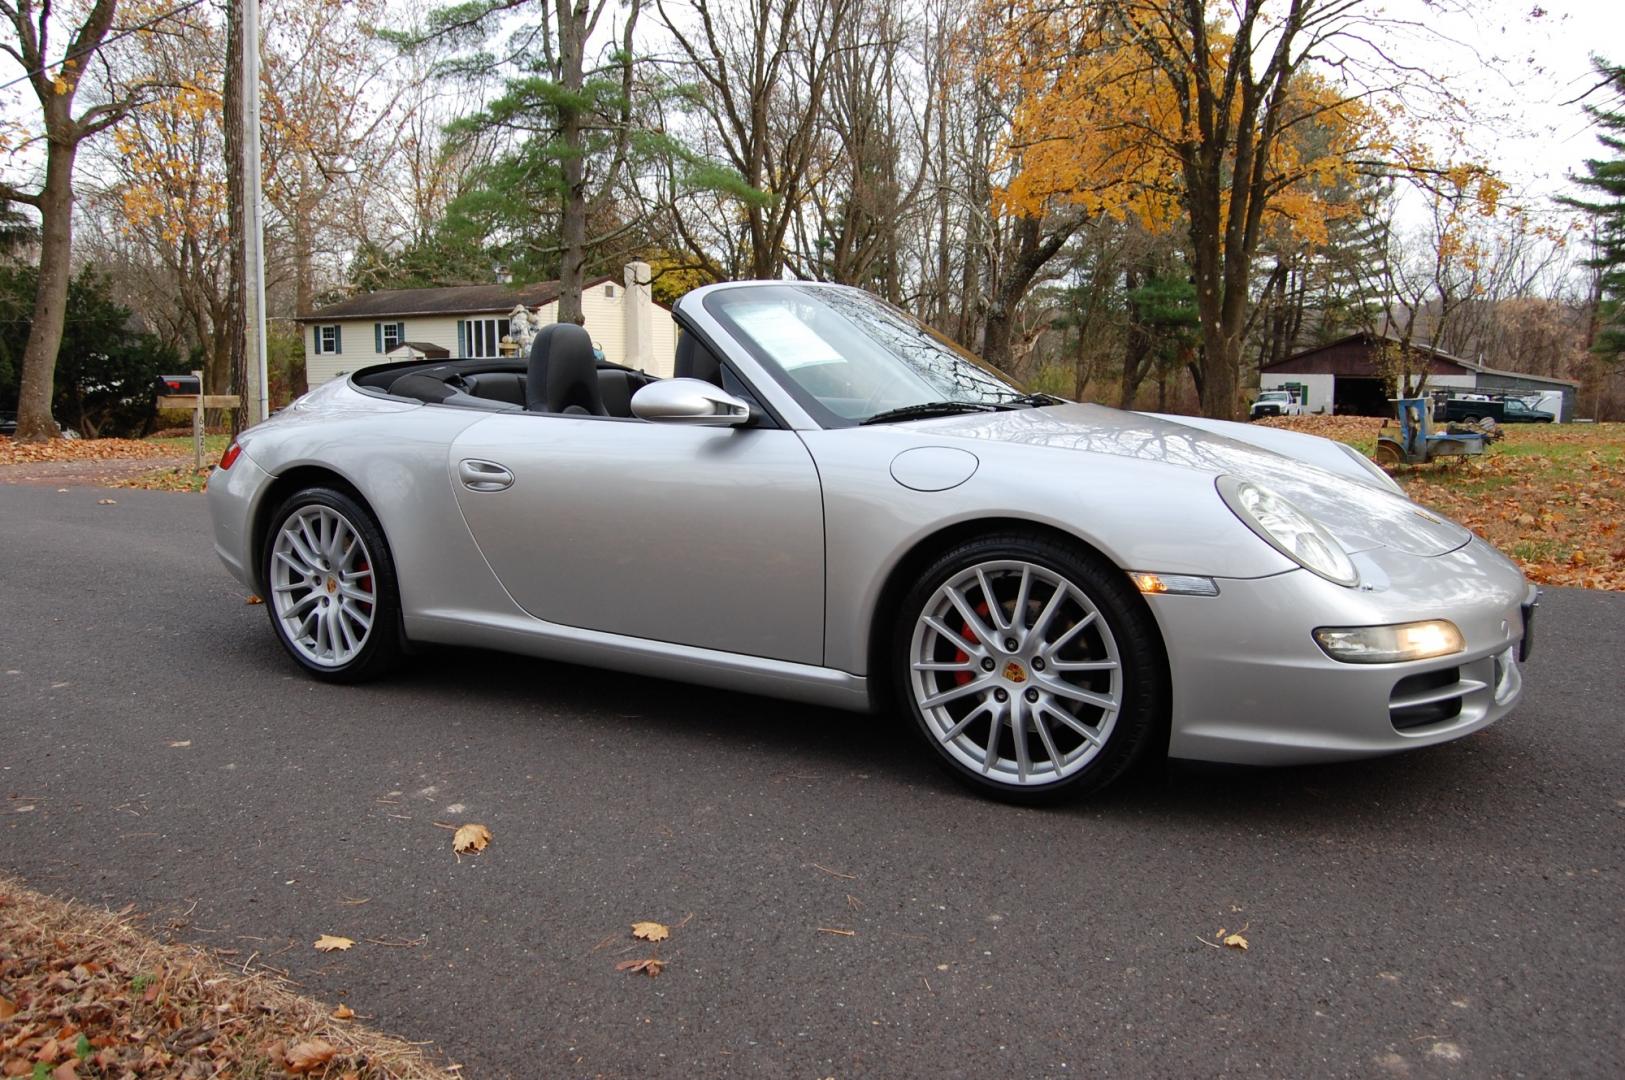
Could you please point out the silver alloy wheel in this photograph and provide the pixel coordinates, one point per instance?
(322, 585)
(1016, 672)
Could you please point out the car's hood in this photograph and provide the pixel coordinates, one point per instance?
(1361, 515)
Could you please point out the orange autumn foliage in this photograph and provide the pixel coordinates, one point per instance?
(1097, 121)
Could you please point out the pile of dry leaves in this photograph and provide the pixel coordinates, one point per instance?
(1354, 430)
(84, 993)
(13, 452)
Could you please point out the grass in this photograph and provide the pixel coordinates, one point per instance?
(85, 992)
(213, 445)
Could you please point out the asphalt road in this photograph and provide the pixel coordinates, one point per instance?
(1453, 912)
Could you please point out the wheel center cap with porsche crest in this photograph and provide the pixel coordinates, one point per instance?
(1013, 672)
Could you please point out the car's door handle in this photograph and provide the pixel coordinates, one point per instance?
(483, 475)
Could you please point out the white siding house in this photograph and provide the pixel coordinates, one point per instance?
(471, 320)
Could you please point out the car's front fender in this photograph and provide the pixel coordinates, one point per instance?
(1139, 515)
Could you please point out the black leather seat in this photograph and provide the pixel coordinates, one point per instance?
(563, 375)
(616, 388)
(696, 361)
(498, 386)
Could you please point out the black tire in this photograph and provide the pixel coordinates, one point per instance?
(1140, 722)
(384, 643)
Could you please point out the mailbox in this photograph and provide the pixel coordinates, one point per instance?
(177, 384)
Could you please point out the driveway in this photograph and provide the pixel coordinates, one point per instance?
(1453, 912)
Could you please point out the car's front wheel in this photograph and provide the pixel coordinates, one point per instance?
(332, 597)
(1032, 667)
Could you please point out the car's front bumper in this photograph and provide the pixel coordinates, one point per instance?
(1250, 685)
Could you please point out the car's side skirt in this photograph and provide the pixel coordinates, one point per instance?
(641, 656)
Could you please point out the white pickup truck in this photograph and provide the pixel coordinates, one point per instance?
(1276, 403)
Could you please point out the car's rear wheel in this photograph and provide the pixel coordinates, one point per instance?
(1032, 667)
(333, 599)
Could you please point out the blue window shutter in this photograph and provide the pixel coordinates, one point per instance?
(378, 337)
(400, 333)
(462, 337)
(338, 339)
(316, 340)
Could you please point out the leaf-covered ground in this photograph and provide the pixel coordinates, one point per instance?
(1551, 496)
(13, 452)
(84, 993)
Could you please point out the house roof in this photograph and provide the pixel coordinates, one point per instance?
(428, 348)
(448, 300)
(1482, 370)
(1340, 358)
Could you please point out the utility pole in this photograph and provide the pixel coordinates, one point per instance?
(256, 397)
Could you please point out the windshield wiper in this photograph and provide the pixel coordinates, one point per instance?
(929, 408)
(1037, 401)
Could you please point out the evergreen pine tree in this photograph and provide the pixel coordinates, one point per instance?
(1605, 203)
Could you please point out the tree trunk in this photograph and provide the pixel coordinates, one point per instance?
(236, 327)
(1136, 346)
(1030, 251)
(573, 214)
(34, 421)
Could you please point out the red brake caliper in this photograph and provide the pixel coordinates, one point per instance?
(963, 677)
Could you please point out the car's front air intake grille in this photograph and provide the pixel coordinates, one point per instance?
(1430, 698)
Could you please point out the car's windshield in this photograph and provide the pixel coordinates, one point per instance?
(847, 357)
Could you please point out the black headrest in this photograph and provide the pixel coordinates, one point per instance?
(421, 386)
(695, 361)
(563, 375)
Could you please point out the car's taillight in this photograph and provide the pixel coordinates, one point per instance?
(230, 455)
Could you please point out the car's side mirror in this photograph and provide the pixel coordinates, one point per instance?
(689, 401)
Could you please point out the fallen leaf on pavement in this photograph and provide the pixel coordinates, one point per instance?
(344, 1012)
(253, 600)
(835, 930)
(650, 966)
(106, 502)
(650, 931)
(180, 744)
(470, 838)
(1235, 941)
(307, 1057)
(331, 943)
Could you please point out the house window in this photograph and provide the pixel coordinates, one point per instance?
(390, 336)
(480, 337)
(328, 341)
(609, 292)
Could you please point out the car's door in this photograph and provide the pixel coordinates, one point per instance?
(712, 537)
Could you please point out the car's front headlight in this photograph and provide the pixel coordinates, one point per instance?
(1391, 644)
(1288, 530)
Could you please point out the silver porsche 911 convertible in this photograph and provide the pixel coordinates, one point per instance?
(832, 503)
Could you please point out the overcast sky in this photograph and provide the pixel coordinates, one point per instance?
(1524, 71)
